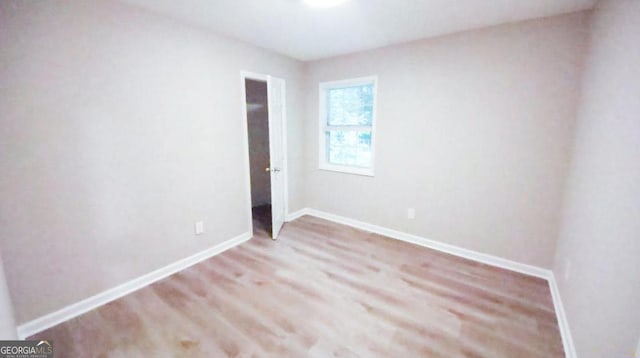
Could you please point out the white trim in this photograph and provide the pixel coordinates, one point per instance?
(563, 323)
(277, 154)
(39, 324)
(323, 163)
(357, 81)
(296, 214)
(432, 244)
(368, 172)
(49, 320)
(254, 76)
(530, 270)
(285, 151)
(244, 75)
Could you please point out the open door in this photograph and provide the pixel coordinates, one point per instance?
(276, 95)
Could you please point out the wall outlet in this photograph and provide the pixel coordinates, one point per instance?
(199, 227)
(411, 213)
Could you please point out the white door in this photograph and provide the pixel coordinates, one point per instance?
(276, 95)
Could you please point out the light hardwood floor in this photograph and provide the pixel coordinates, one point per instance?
(323, 290)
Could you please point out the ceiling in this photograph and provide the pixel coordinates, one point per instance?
(292, 28)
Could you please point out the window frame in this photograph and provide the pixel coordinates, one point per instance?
(323, 126)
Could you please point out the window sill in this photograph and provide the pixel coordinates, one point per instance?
(347, 170)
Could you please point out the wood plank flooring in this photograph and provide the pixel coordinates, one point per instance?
(323, 290)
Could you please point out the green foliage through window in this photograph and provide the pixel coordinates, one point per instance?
(349, 125)
(350, 106)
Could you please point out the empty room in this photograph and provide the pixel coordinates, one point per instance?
(320, 178)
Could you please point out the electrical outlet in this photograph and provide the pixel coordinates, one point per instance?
(199, 227)
(411, 213)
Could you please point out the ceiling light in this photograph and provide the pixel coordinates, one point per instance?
(323, 3)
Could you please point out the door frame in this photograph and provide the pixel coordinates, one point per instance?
(245, 75)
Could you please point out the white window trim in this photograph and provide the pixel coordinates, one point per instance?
(322, 126)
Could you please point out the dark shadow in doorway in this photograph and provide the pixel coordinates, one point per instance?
(262, 219)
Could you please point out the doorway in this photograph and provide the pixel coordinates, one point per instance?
(264, 108)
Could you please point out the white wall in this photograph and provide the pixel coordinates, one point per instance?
(118, 130)
(473, 131)
(7, 323)
(258, 128)
(598, 260)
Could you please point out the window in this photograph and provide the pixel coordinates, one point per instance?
(347, 131)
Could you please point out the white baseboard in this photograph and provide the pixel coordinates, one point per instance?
(432, 244)
(296, 214)
(39, 324)
(530, 270)
(563, 324)
(47, 321)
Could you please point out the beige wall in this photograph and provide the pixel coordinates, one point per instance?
(116, 124)
(473, 131)
(118, 130)
(7, 323)
(258, 128)
(598, 260)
